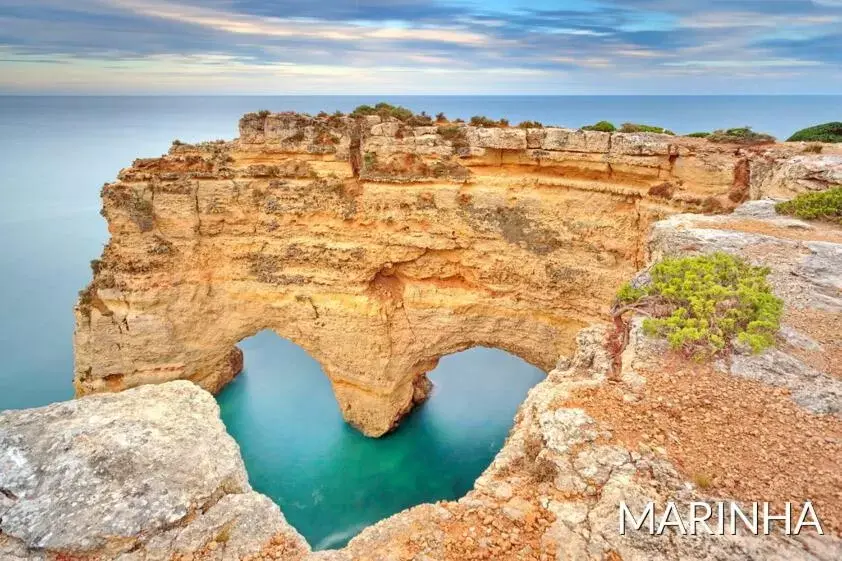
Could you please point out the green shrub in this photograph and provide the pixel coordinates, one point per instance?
(602, 126)
(828, 132)
(634, 127)
(483, 121)
(441, 118)
(824, 205)
(531, 125)
(740, 135)
(264, 113)
(383, 110)
(703, 304)
(698, 134)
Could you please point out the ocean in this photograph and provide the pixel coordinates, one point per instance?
(330, 481)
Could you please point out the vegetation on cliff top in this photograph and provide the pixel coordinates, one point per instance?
(740, 135)
(602, 126)
(483, 121)
(827, 132)
(824, 205)
(634, 127)
(383, 109)
(704, 304)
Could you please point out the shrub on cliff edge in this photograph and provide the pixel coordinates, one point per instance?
(483, 121)
(740, 135)
(635, 127)
(703, 304)
(827, 132)
(384, 110)
(602, 126)
(824, 205)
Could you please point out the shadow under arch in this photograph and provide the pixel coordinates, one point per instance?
(330, 480)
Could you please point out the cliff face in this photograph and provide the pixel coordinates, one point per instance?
(380, 247)
(159, 479)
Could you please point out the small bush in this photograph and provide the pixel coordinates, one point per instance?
(420, 120)
(698, 135)
(441, 118)
(828, 132)
(634, 127)
(814, 148)
(456, 135)
(703, 304)
(824, 205)
(530, 125)
(503, 122)
(483, 121)
(740, 135)
(602, 126)
(264, 113)
(383, 110)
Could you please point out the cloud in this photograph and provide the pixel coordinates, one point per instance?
(421, 46)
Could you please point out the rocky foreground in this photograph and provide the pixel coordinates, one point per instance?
(150, 474)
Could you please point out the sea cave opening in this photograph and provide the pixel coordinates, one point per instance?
(330, 480)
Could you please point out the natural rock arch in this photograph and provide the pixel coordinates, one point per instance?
(379, 247)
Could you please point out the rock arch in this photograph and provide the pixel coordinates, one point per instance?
(377, 247)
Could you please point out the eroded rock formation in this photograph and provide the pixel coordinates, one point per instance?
(136, 476)
(379, 247)
(661, 429)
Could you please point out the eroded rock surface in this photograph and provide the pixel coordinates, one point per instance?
(427, 240)
(662, 429)
(139, 475)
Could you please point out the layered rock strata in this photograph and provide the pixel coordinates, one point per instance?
(380, 247)
(753, 428)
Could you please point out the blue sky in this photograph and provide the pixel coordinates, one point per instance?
(421, 47)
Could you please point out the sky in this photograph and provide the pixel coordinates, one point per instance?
(421, 47)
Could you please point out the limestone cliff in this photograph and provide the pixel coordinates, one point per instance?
(160, 481)
(379, 247)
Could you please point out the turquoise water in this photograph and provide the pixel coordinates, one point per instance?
(55, 154)
(330, 480)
